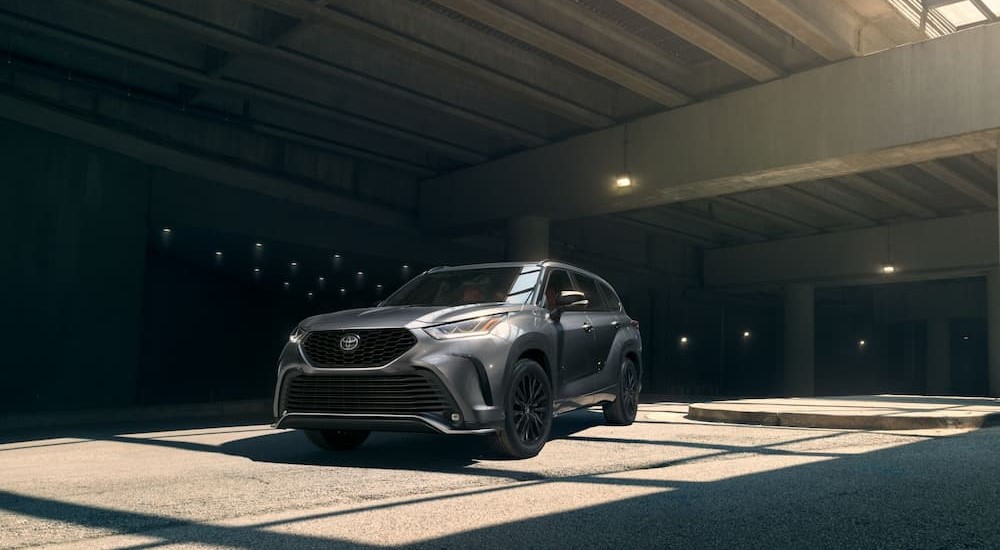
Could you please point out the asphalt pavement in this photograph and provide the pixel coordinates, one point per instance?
(664, 482)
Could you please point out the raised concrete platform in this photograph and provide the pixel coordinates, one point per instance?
(863, 412)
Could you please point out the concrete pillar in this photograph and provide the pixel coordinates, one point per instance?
(993, 332)
(938, 379)
(527, 238)
(993, 314)
(800, 339)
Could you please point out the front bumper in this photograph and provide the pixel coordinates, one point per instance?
(442, 380)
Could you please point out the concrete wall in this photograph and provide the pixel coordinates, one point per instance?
(72, 251)
(94, 316)
(928, 249)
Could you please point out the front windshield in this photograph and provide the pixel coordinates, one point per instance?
(455, 287)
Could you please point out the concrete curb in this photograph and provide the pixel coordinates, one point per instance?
(247, 408)
(707, 412)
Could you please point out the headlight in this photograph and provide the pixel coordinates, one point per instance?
(297, 335)
(480, 326)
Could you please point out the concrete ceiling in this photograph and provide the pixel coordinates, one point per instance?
(432, 86)
(425, 87)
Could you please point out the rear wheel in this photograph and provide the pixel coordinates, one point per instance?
(337, 440)
(623, 410)
(527, 412)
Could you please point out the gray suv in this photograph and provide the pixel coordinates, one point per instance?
(495, 349)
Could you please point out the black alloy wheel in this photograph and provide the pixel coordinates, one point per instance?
(528, 412)
(623, 410)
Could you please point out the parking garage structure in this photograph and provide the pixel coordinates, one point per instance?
(791, 198)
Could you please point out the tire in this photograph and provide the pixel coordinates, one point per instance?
(337, 440)
(527, 412)
(622, 411)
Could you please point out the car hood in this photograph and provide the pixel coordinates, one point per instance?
(403, 316)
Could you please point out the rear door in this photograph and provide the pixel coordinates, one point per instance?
(603, 320)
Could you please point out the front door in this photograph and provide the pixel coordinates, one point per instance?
(574, 335)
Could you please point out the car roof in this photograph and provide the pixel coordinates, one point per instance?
(542, 263)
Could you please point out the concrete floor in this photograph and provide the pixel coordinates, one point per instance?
(663, 482)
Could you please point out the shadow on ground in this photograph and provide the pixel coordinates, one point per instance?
(936, 493)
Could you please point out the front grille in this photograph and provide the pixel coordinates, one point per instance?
(364, 394)
(376, 347)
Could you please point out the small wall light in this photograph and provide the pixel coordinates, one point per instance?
(684, 340)
(258, 245)
(623, 181)
(166, 230)
(888, 269)
(861, 343)
(746, 334)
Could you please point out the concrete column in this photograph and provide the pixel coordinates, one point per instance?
(993, 332)
(800, 339)
(527, 238)
(938, 356)
(993, 314)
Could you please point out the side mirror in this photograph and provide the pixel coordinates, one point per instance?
(568, 299)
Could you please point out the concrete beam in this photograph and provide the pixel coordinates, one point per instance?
(773, 217)
(596, 24)
(568, 50)
(959, 183)
(704, 36)
(713, 224)
(908, 104)
(888, 196)
(183, 162)
(342, 21)
(199, 79)
(795, 194)
(790, 18)
(930, 249)
(236, 44)
(652, 227)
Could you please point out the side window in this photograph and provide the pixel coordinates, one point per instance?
(589, 288)
(558, 281)
(613, 302)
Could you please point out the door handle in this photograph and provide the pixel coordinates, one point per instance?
(616, 324)
(587, 327)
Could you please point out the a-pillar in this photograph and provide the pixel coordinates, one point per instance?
(527, 238)
(938, 356)
(800, 338)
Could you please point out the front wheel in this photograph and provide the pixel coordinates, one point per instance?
(337, 440)
(527, 412)
(623, 410)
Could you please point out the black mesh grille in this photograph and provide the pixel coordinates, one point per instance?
(376, 347)
(364, 394)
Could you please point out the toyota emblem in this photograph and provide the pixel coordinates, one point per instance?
(349, 342)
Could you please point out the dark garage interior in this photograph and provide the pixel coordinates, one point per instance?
(795, 200)
(143, 168)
